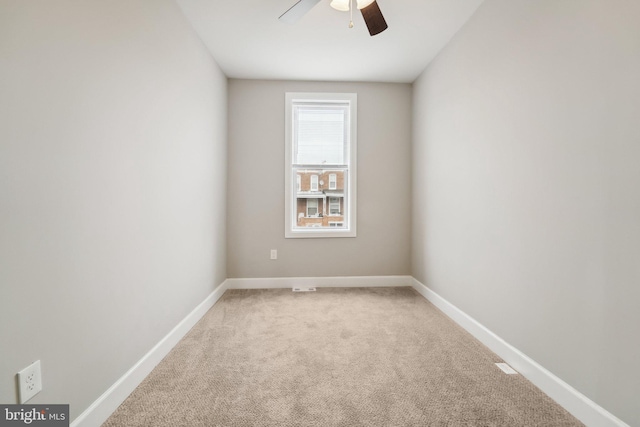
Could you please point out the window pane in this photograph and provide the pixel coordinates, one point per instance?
(319, 135)
(320, 197)
(334, 206)
(312, 207)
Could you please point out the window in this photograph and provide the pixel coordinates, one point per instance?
(312, 207)
(332, 181)
(320, 138)
(334, 206)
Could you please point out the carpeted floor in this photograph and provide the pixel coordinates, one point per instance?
(335, 357)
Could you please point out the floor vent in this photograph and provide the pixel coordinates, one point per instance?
(304, 289)
(506, 368)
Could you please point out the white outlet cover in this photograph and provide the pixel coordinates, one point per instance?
(30, 381)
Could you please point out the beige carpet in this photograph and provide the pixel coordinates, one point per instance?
(336, 357)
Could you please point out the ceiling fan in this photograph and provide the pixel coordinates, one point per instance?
(369, 8)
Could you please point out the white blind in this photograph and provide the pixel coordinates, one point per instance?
(320, 134)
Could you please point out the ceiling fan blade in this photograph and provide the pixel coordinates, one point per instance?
(297, 11)
(374, 19)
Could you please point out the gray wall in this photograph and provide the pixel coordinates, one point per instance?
(256, 185)
(525, 186)
(112, 187)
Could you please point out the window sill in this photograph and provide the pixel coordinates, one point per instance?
(316, 232)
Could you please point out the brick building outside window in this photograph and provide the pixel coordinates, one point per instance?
(320, 198)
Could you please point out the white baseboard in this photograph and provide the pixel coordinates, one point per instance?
(581, 407)
(105, 405)
(572, 400)
(321, 282)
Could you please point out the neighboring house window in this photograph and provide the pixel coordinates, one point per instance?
(332, 181)
(320, 137)
(334, 206)
(312, 207)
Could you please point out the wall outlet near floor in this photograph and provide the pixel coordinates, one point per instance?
(304, 289)
(29, 381)
(274, 254)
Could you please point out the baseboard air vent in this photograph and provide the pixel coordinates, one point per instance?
(304, 289)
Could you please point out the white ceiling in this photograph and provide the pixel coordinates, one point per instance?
(249, 42)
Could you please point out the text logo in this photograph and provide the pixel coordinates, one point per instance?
(34, 415)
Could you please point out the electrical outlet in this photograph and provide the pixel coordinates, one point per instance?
(29, 381)
(274, 254)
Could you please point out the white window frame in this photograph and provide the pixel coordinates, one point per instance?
(349, 223)
(313, 186)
